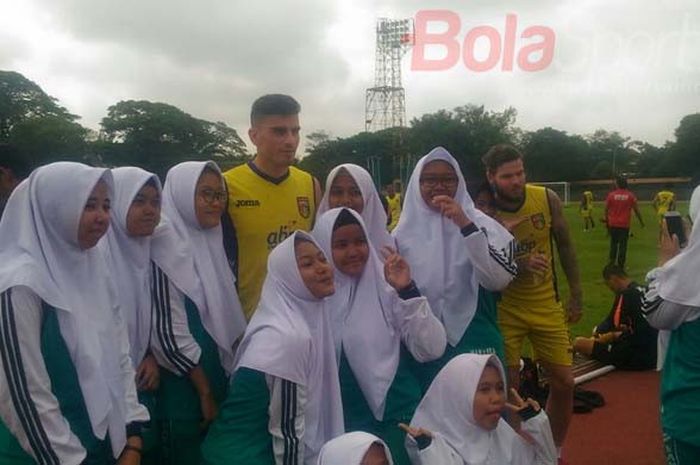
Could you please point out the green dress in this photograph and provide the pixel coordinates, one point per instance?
(239, 435)
(482, 336)
(178, 408)
(403, 397)
(66, 387)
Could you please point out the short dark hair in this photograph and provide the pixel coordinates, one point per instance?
(500, 154)
(273, 104)
(621, 182)
(11, 159)
(613, 269)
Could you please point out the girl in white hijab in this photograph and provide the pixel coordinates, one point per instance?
(135, 215)
(284, 402)
(672, 305)
(380, 323)
(198, 318)
(356, 448)
(459, 257)
(67, 393)
(351, 186)
(459, 422)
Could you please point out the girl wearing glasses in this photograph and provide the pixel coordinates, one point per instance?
(459, 256)
(198, 319)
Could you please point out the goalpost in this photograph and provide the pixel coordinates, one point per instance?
(562, 188)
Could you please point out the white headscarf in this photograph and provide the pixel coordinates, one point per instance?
(40, 250)
(130, 259)
(678, 278)
(194, 259)
(373, 212)
(361, 318)
(435, 249)
(289, 337)
(448, 409)
(350, 449)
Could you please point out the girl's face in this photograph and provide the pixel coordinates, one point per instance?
(437, 178)
(94, 220)
(489, 399)
(350, 250)
(344, 192)
(209, 199)
(144, 212)
(315, 270)
(376, 455)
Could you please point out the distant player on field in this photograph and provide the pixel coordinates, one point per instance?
(586, 210)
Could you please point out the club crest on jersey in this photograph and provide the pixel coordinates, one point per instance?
(304, 207)
(538, 220)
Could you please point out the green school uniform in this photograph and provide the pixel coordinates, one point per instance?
(178, 406)
(66, 387)
(481, 336)
(403, 397)
(680, 386)
(240, 432)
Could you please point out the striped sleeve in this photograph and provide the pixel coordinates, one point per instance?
(662, 314)
(286, 412)
(494, 268)
(28, 408)
(173, 345)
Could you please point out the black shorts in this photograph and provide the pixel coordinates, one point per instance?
(622, 355)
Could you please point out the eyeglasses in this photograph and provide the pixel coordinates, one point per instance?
(210, 196)
(433, 181)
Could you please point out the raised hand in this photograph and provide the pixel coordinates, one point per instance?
(451, 210)
(519, 405)
(396, 270)
(414, 432)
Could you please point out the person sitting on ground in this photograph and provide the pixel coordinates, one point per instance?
(624, 338)
(356, 448)
(459, 421)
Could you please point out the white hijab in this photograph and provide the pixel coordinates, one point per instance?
(448, 409)
(361, 313)
(373, 211)
(678, 278)
(434, 247)
(194, 259)
(350, 449)
(40, 250)
(290, 337)
(130, 259)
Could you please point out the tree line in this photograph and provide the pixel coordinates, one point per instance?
(156, 136)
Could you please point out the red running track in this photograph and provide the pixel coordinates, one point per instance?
(626, 430)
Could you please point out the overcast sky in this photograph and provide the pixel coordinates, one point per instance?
(627, 65)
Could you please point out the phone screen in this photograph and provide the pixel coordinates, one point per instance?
(674, 221)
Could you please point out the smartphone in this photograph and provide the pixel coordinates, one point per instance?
(674, 221)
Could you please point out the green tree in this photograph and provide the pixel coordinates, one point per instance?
(553, 155)
(157, 136)
(21, 100)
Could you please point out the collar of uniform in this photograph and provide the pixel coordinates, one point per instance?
(267, 177)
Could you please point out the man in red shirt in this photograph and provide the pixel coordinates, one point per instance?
(618, 213)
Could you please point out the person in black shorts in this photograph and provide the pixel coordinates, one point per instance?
(624, 338)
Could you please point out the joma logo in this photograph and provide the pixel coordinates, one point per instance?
(247, 203)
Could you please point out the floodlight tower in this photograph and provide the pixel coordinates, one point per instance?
(385, 103)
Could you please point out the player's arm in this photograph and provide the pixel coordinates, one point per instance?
(567, 256)
(637, 213)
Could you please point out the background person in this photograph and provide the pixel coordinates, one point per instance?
(619, 205)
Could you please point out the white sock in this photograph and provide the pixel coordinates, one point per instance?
(558, 452)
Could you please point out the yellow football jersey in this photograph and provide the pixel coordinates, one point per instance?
(588, 197)
(394, 210)
(532, 236)
(663, 201)
(265, 211)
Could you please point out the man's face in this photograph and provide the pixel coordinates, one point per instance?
(276, 138)
(509, 180)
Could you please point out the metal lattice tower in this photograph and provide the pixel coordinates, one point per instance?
(385, 103)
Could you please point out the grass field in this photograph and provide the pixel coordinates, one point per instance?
(592, 251)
